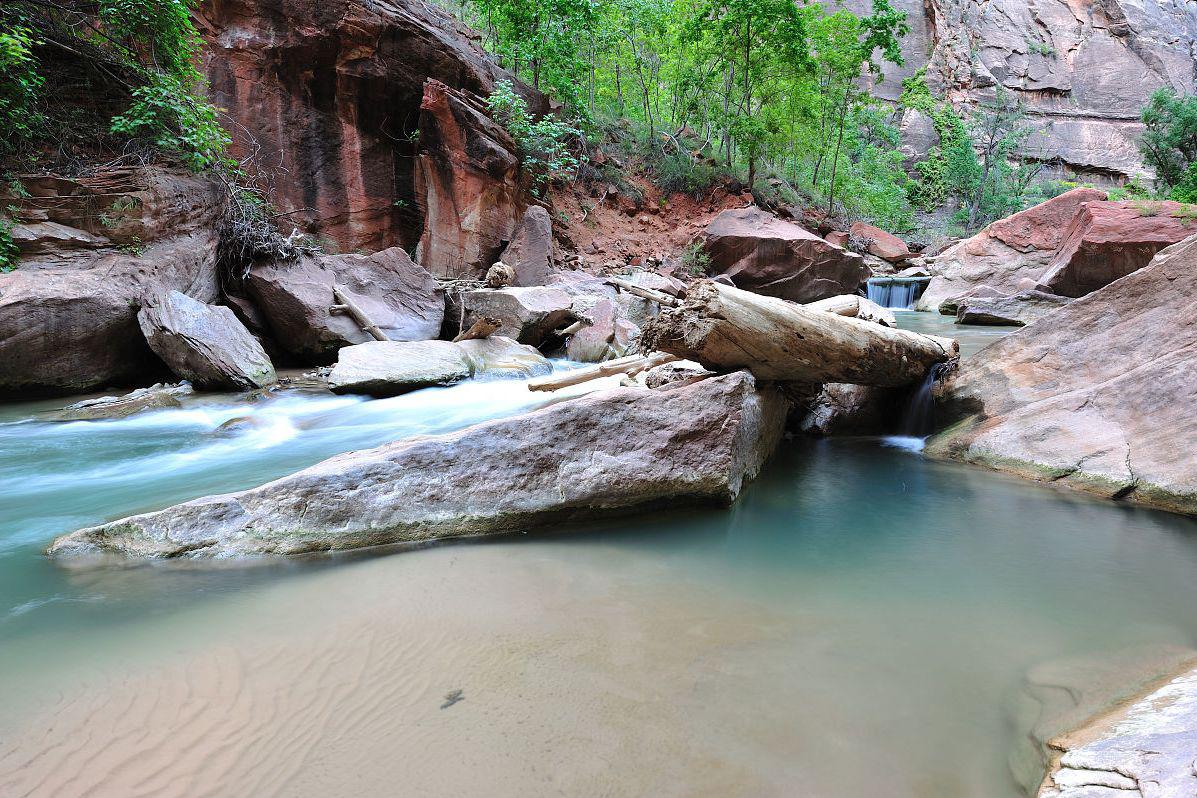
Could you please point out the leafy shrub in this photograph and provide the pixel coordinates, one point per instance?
(20, 84)
(695, 260)
(545, 145)
(166, 113)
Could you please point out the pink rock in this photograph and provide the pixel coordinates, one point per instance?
(886, 246)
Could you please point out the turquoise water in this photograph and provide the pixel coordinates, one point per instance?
(856, 626)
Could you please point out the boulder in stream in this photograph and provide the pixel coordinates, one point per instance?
(106, 408)
(605, 453)
(1017, 310)
(1099, 396)
(389, 368)
(204, 344)
(527, 314)
(296, 296)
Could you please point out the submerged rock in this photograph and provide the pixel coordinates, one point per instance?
(1099, 396)
(389, 368)
(204, 344)
(1012, 249)
(155, 397)
(767, 255)
(605, 453)
(1018, 310)
(296, 297)
(500, 356)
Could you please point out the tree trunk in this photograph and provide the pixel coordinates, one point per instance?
(725, 328)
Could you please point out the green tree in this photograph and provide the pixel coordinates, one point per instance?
(1169, 143)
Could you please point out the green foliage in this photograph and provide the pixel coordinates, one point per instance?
(20, 85)
(145, 50)
(1185, 189)
(165, 112)
(695, 260)
(1169, 143)
(8, 247)
(545, 144)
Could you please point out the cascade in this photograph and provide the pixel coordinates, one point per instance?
(896, 292)
(918, 421)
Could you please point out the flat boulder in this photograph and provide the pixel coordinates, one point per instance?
(389, 368)
(609, 452)
(204, 344)
(880, 243)
(1108, 240)
(1017, 310)
(527, 314)
(296, 297)
(767, 255)
(1009, 250)
(1098, 396)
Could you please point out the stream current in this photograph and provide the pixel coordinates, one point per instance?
(860, 624)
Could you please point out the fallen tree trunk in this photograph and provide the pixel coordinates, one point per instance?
(725, 328)
(856, 307)
(357, 314)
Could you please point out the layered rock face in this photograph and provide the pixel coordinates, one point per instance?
(1097, 397)
(296, 298)
(1108, 240)
(328, 94)
(1083, 69)
(767, 255)
(68, 316)
(1007, 252)
(604, 453)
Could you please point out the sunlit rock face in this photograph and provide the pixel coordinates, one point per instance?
(325, 95)
(1082, 68)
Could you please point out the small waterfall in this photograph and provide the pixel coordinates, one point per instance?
(919, 419)
(895, 292)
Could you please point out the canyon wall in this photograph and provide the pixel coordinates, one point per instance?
(325, 96)
(1082, 68)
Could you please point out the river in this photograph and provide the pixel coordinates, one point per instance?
(859, 624)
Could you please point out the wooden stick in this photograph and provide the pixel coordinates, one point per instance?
(573, 328)
(632, 364)
(659, 297)
(346, 305)
(483, 328)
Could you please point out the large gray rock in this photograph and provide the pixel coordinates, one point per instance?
(68, 314)
(1098, 396)
(389, 368)
(527, 314)
(605, 453)
(1146, 749)
(1016, 310)
(204, 344)
(295, 296)
(768, 255)
(1006, 253)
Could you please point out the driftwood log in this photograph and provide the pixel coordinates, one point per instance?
(726, 328)
(660, 297)
(348, 306)
(856, 307)
(630, 365)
